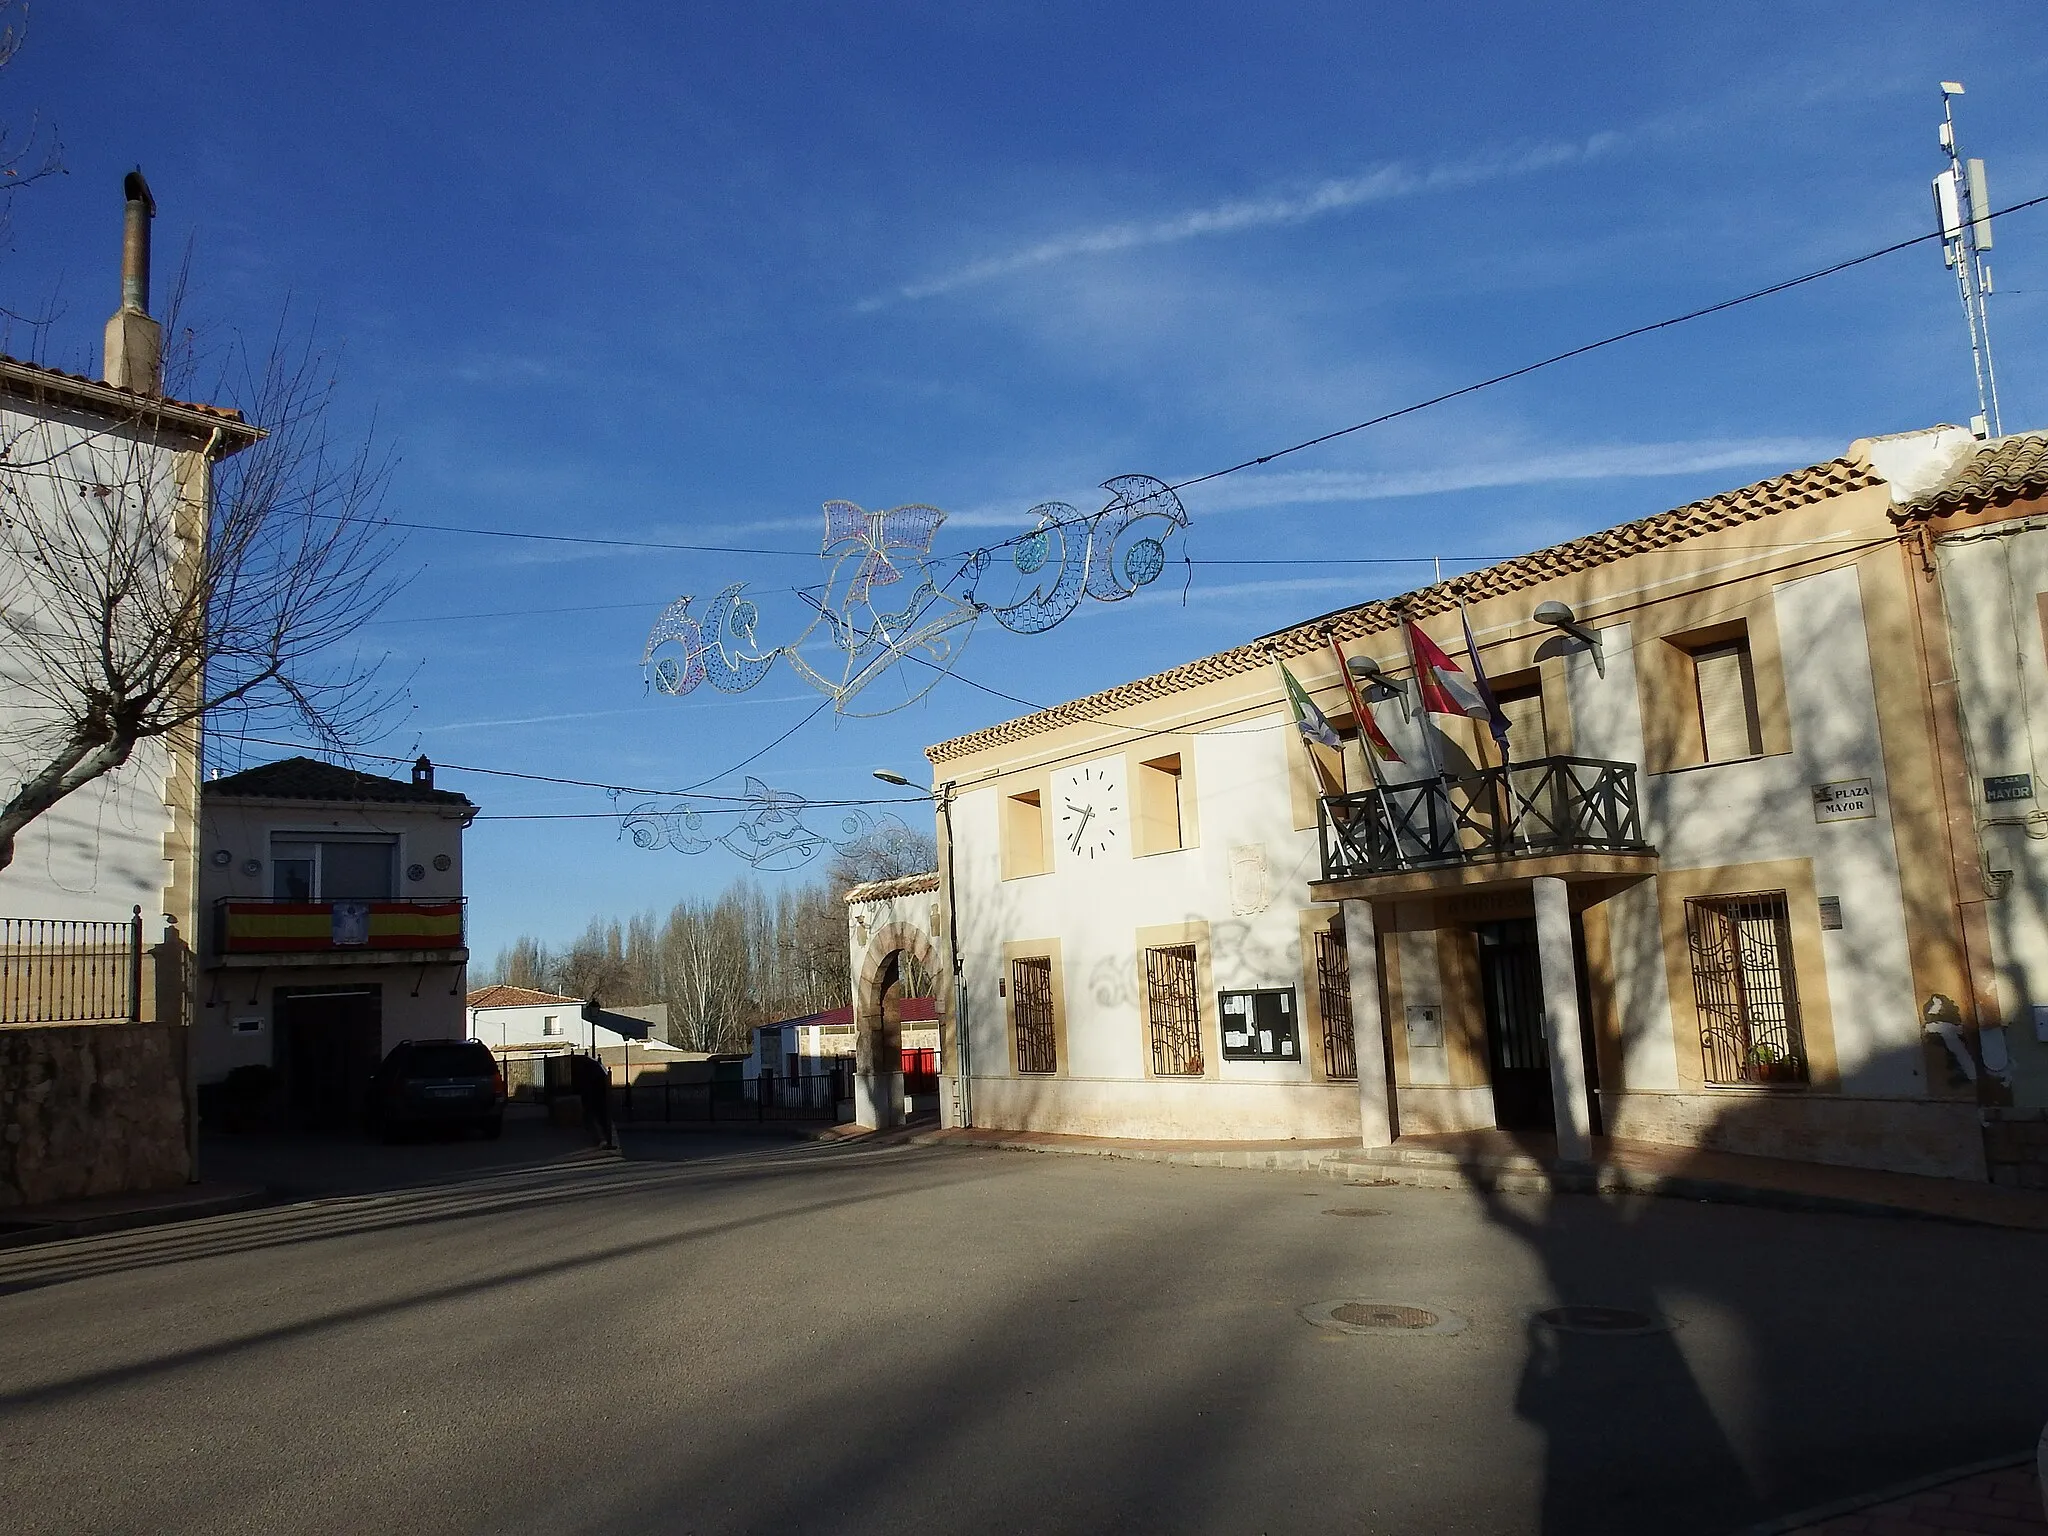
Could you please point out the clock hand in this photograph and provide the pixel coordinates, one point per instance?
(1081, 828)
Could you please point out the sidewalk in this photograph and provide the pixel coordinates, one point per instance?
(1994, 1500)
(1529, 1164)
(21, 1224)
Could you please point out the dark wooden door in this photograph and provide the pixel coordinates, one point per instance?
(331, 1043)
(1517, 1055)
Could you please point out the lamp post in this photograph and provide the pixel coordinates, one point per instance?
(942, 797)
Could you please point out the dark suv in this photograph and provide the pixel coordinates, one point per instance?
(437, 1082)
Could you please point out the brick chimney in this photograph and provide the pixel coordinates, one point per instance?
(135, 342)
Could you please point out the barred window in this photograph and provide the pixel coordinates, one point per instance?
(1333, 991)
(1744, 986)
(1173, 1004)
(1031, 1008)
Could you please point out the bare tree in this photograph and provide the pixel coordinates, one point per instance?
(889, 852)
(142, 590)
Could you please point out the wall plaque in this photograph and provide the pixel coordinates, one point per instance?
(1844, 800)
(1831, 911)
(2009, 786)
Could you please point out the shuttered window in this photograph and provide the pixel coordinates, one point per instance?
(1727, 690)
(1528, 738)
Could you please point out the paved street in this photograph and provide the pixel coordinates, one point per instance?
(721, 1335)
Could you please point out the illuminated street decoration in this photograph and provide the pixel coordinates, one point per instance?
(771, 833)
(882, 606)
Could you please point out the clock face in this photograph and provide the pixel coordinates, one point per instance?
(1089, 804)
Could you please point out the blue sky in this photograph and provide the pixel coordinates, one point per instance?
(683, 272)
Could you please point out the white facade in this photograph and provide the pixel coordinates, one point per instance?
(557, 1025)
(1993, 585)
(110, 846)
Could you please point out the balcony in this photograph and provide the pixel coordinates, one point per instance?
(1538, 810)
(253, 932)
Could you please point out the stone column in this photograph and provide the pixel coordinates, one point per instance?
(1377, 1121)
(1561, 1020)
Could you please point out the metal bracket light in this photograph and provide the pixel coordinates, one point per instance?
(1559, 616)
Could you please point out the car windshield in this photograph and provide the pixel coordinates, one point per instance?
(448, 1061)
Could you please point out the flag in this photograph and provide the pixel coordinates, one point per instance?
(1440, 680)
(1496, 721)
(1310, 721)
(1368, 727)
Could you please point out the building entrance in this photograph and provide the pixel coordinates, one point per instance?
(329, 1042)
(1517, 1057)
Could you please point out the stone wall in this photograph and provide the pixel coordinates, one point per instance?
(1940, 1138)
(90, 1109)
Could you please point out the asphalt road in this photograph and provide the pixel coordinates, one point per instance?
(724, 1335)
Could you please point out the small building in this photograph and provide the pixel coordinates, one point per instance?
(335, 926)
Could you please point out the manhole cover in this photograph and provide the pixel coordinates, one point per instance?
(1351, 1315)
(1354, 1210)
(1608, 1320)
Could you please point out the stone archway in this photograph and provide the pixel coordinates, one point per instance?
(878, 992)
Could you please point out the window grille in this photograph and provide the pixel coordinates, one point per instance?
(1743, 983)
(1031, 1004)
(1174, 1005)
(1333, 988)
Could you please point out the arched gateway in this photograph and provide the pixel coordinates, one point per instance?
(892, 922)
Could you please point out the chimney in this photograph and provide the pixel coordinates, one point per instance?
(422, 773)
(135, 343)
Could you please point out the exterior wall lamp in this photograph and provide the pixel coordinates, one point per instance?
(1373, 683)
(1560, 616)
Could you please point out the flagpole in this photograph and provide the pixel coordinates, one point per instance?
(1429, 741)
(1358, 714)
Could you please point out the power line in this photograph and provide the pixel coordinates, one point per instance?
(740, 801)
(1591, 346)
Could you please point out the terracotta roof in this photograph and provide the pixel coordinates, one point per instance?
(306, 778)
(502, 996)
(36, 382)
(902, 885)
(1994, 476)
(1766, 498)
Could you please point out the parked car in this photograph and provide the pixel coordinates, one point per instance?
(437, 1082)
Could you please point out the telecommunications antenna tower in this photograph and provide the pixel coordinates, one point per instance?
(1962, 207)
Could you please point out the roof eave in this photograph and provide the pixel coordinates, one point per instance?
(41, 385)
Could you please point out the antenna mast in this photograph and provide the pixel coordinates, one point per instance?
(1962, 207)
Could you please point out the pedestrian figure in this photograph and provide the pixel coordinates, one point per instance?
(593, 1084)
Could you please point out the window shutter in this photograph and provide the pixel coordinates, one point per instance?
(1727, 687)
(1528, 739)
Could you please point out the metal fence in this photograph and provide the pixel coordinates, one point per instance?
(811, 1096)
(1744, 987)
(61, 971)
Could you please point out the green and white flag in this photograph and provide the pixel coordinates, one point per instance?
(1310, 721)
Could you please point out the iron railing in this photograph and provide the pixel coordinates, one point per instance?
(61, 971)
(1547, 805)
(1745, 989)
(810, 1096)
(1333, 991)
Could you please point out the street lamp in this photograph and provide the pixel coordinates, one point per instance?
(1559, 616)
(943, 798)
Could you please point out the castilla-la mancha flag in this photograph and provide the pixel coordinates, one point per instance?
(1441, 680)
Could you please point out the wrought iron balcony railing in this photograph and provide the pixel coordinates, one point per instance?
(250, 926)
(1548, 805)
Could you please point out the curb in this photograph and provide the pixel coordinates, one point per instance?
(142, 1216)
(1609, 1179)
(1353, 1168)
(1263, 1159)
(1785, 1524)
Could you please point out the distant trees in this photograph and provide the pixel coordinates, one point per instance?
(744, 957)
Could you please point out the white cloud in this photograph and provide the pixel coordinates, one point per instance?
(1613, 461)
(1337, 195)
